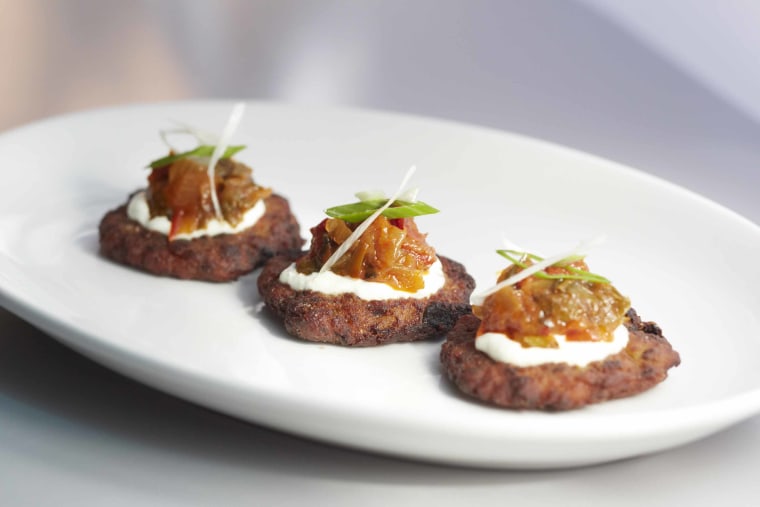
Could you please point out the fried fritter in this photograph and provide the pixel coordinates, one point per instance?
(558, 386)
(346, 319)
(220, 258)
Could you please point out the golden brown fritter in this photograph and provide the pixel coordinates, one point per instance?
(220, 258)
(346, 319)
(558, 386)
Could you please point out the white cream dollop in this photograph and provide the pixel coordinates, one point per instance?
(333, 284)
(138, 210)
(500, 348)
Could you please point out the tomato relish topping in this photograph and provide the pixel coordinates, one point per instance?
(181, 191)
(390, 251)
(546, 303)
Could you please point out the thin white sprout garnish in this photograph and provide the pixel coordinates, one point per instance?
(342, 249)
(203, 137)
(378, 195)
(579, 250)
(224, 140)
(409, 195)
(370, 195)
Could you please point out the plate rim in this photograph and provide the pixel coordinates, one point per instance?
(738, 406)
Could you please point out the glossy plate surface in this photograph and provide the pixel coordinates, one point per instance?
(685, 262)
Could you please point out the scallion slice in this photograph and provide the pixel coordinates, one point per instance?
(359, 211)
(514, 257)
(203, 150)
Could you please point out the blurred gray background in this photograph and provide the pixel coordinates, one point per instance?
(666, 86)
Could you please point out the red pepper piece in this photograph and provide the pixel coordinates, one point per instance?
(398, 222)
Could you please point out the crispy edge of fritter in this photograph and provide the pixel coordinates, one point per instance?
(641, 365)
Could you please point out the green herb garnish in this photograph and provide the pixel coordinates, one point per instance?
(204, 150)
(360, 211)
(516, 256)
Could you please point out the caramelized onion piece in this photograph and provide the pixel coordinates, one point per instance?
(181, 192)
(534, 310)
(391, 251)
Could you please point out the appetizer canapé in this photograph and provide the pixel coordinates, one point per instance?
(552, 335)
(201, 217)
(369, 278)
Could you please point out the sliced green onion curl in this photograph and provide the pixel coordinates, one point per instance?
(515, 256)
(203, 150)
(360, 211)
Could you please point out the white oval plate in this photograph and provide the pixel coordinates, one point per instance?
(685, 262)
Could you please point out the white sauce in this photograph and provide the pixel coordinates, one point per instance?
(138, 210)
(500, 348)
(332, 284)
